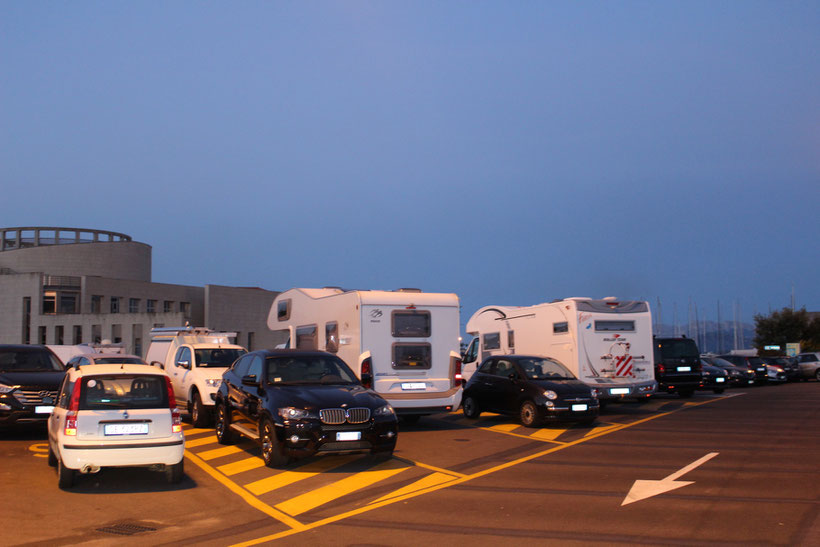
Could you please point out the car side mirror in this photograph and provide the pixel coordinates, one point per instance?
(250, 380)
(157, 364)
(184, 364)
(512, 376)
(367, 380)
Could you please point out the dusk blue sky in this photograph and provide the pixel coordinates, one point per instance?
(510, 152)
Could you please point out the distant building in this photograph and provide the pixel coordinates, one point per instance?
(72, 286)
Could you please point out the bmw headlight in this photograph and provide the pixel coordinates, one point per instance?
(7, 389)
(550, 394)
(293, 413)
(384, 412)
(213, 382)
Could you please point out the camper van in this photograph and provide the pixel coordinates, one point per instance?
(405, 340)
(194, 358)
(606, 343)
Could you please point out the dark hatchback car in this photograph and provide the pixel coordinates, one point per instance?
(30, 378)
(738, 376)
(533, 388)
(677, 365)
(300, 403)
(714, 378)
(755, 364)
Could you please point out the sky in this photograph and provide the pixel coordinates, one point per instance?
(510, 152)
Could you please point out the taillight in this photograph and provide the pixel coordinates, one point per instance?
(458, 378)
(73, 407)
(176, 418)
(661, 369)
(367, 373)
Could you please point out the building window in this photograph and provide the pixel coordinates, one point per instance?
(49, 303)
(96, 333)
(168, 306)
(116, 334)
(115, 304)
(151, 306)
(27, 320)
(78, 334)
(185, 307)
(136, 336)
(58, 335)
(250, 341)
(133, 305)
(96, 303)
(41, 334)
(68, 302)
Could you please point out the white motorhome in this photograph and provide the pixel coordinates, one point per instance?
(194, 358)
(606, 343)
(406, 340)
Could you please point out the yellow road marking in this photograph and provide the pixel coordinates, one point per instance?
(195, 431)
(395, 499)
(548, 434)
(320, 496)
(600, 429)
(219, 452)
(200, 442)
(506, 428)
(285, 478)
(242, 465)
(430, 480)
(431, 467)
(244, 494)
(519, 435)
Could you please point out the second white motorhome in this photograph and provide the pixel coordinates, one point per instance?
(606, 343)
(406, 340)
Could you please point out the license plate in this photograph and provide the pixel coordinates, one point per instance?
(719, 380)
(579, 408)
(125, 429)
(407, 386)
(348, 435)
(619, 391)
(43, 409)
(684, 369)
(761, 369)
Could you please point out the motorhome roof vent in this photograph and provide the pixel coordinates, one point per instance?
(407, 289)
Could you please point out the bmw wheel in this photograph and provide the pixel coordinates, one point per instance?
(224, 435)
(272, 452)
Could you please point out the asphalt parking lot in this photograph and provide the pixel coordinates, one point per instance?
(737, 468)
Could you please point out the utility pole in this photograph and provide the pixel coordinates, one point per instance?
(719, 330)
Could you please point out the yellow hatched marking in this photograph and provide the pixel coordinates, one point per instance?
(504, 427)
(219, 452)
(200, 442)
(597, 430)
(321, 496)
(195, 430)
(548, 434)
(289, 477)
(433, 479)
(242, 465)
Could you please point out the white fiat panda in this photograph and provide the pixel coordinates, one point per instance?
(115, 415)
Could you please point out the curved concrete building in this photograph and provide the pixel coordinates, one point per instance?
(74, 252)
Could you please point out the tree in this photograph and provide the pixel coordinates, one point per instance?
(786, 326)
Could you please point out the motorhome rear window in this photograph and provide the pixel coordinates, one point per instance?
(283, 310)
(332, 337)
(412, 356)
(511, 339)
(411, 324)
(615, 326)
(492, 340)
(558, 328)
(306, 337)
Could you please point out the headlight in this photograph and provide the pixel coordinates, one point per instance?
(550, 394)
(215, 382)
(7, 389)
(384, 411)
(293, 413)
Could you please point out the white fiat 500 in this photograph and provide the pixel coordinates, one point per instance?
(115, 415)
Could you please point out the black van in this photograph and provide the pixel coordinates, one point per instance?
(677, 365)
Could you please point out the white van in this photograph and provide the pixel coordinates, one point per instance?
(194, 358)
(606, 343)
(407, 339)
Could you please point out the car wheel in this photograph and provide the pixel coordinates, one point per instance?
(174, 473)
(817, 375)
(65, 476)
(686, 393)
(470, 408)
(529, 414)
(272, 452)
(199, 416)
(52, 458)
(224, 435)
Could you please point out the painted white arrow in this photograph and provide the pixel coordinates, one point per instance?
(646, 489)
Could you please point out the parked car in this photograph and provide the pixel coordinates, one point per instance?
(738, 376)
(809, 365)
(755, 364)
(714, 378)
(115, 415)
(533, 388)
(677, 365)
(30, 377)
(775, 374)
(300, 403)
(103, 359)
(787, 364)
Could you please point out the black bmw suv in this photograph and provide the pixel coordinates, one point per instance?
(300, 403)
(30, 378)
